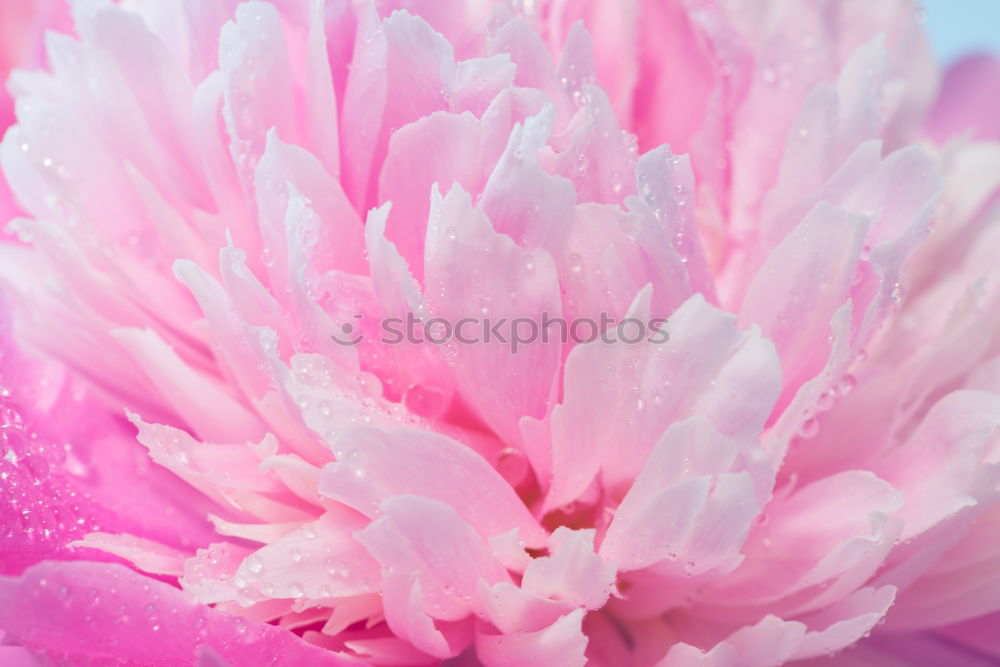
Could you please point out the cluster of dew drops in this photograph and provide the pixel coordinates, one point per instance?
(41, 504)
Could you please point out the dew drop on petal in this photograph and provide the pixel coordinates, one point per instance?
(809, 428)
(254, 564)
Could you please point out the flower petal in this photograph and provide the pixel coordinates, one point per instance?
(89, 611)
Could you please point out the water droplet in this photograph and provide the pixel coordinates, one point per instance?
(682, 244)
(617, 182)
(846, 385)
(267, 257)
(809, 428)
(254, 564)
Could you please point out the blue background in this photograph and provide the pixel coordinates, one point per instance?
(958, 27)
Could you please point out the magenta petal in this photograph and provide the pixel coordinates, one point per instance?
(90, 611)
(960, 105)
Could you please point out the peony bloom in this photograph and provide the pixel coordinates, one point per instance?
(213, 454)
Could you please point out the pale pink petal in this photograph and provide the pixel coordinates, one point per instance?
(512, 609)
(257, 85)
(462, 249)
(669, 236)
(573, 573)
(226, 473)
(685, 655)
(604, 268)
(562, 644)
(673, 57)
(373, 465)
(319, 560)
(535, 67)
(198, 399)
(146, 555)
(845, 622)
(615, 28)
(939, 469)
(842, 528)
(283, 171)
(420, 375)
(208, 577)
(691, 504)
(405, 614)
(805, 279)
(402, 71)
(521, 199)
(414, 163)
(684, 377)
(429, 539)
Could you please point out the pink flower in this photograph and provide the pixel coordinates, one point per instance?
(228, 204)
